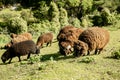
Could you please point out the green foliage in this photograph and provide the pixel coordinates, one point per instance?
(42, 11)
(41, 66)
(86, 21)
(54, 13)
(5, 16)
(74, 3)
(42, 27)
(17, 25)
(86, 6)
(63, 17)
(88, 60)
(26, 14)
(116, 54)
(75, 22)
(33, 59)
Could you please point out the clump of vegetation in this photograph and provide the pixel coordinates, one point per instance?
(33, 59)
(88, 60)
(116, 54)
(41, 66)
(17, 25)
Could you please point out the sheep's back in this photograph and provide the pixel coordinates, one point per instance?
(95, 37)
(24, 47)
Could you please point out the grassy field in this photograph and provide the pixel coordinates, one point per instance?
(49, 65)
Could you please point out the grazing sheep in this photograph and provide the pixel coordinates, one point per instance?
(67, 35)
(18, 38)
(69, 31)
(44, 38)
(20, 49)
(65, 47)
(80, 47)
(96, 38)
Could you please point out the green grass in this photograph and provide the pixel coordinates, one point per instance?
(52, 66)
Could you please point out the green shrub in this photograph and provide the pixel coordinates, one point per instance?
(75, 22)
(87, 60)
(116, 54)
(33, 59)
(63, 17)
(42, 27)
(27, 15)
(42, 10)
(86, 6)
(6, 15)
(54, 13)
(86, 21)
(17, 25)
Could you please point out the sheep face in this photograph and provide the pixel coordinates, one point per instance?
(80, 48)
(5, 56)
(65, 48)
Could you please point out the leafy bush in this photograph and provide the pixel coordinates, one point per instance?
(17, 25)
(33, 59)
(3, 28)
(54, 13)
(26, 14)
(63, 17)
(86, 6)
(86, 21)
(6, 15)
(87, 60)
(116, 54)
(41, 11)
(42, 27)
(75, 22)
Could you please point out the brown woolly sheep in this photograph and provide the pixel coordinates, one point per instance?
(44, 38)
(67, 31)
(27, 35)
(18, 38)
(96, 38)
(67, 35)
(20, 49)
(80, 47)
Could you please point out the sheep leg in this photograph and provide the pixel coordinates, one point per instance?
(50, 43)
(47, 44)
(28, 56)
(19, 58)
(96, 51)
(88, 53)
(100, 51)
(10, 60)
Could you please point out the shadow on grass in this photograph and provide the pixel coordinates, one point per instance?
(111, 57)
(5, 63)
(55, 56)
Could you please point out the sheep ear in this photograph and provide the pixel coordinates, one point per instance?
(68, 47)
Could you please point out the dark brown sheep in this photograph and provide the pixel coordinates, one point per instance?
(44, 38)
(96, 38)
(19, 49)
(18, 38)
(67, 36)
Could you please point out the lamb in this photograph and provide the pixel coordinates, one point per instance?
(18, 38)
(95, 38)
(20, 49)
(66, 47)
(44, 38)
